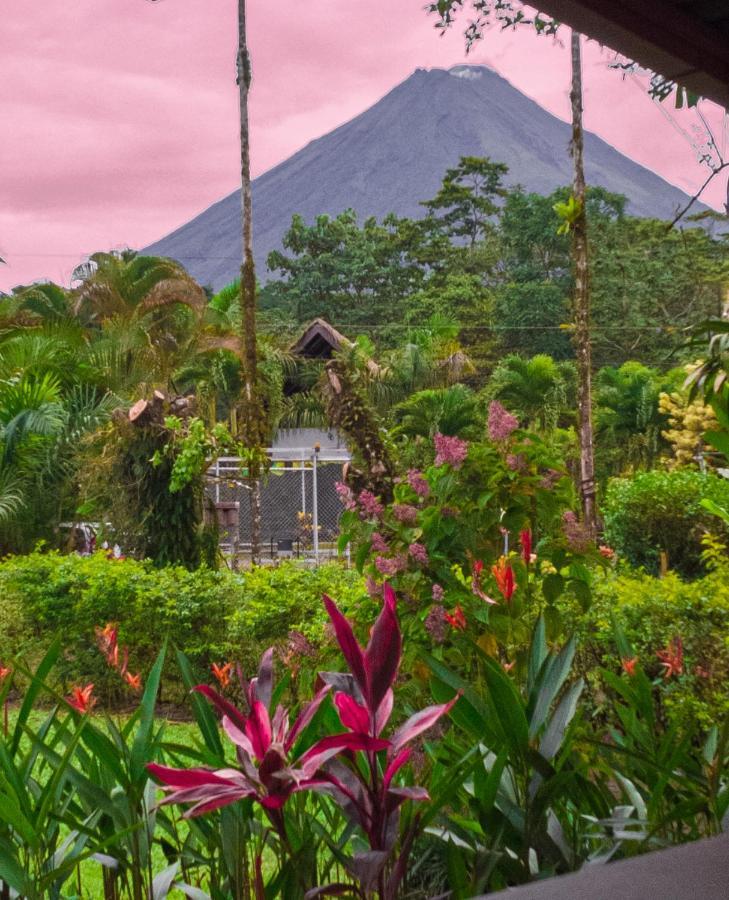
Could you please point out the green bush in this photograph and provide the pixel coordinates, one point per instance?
(661, 511)
(652, 612)
(274, 602)
(210, 615)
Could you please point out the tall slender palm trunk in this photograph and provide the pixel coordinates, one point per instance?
(253, 408)
(582, 340)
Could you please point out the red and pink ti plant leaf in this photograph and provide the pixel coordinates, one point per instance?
(263, 746)
(370, 798)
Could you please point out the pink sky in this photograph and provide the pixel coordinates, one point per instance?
(120, 116)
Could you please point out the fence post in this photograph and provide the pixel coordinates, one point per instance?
(315, 503)
(303, 484)
(217, 481)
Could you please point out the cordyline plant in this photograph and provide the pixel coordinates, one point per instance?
(357, 767)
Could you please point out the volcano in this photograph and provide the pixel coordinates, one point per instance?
(394, 155)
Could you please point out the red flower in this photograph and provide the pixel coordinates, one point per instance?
(82, 699)
(629, 665)
(504, 575)
(672, 658)
(456, 619)
(4, 672)
(222, 673)
(525, 539)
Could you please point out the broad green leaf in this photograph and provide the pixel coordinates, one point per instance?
(552, 587)
(561, 718)
(553, 675)
(36, 685)
(537, 654)
(141, 752)
(507, 705)
(12, 872)
(204, 715)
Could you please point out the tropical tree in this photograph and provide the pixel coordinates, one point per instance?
(131, 287)
(466, 203)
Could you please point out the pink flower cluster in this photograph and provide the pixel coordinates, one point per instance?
(391, 566)
(419, 553)
(345, 494)
(379, 544)
(516, 462)
(450, 450)
(405, 513)
(501, 422)
(370, 506)
(550, 479)
(435, 624)
(438, 593)
(418, 483)
(373, 588)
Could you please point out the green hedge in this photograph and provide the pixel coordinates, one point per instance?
(211, 615)
(661, 511)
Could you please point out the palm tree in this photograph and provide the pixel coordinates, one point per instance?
(128, 286)
(581, 303)
(140, 313)
(628, 420)
(538, 390)
(453, 410)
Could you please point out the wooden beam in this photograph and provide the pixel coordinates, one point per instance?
(659, 35)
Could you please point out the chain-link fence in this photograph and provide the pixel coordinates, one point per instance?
(300, 508)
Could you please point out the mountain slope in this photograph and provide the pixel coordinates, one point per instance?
(394, 155)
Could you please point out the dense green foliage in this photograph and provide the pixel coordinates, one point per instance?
(652, 612)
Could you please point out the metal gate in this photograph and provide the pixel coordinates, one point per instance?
(300, 508)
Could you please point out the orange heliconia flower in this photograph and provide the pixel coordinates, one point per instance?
(107, 638)
(82, 699)
(504, 575)
(672, 658)
(629, 665)
(222, 673)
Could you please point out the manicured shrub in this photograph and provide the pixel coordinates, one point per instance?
(659, 511)
(211, 615)
(271, 604)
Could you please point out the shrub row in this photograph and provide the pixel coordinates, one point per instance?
(218, 616)
(212, 616)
